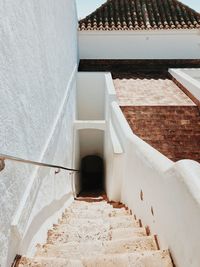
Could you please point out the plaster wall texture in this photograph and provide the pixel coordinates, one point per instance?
(38, 55)
(189, 78)
(195, 73)
(91, 142)
(89, 127)
(96, 136)
(76, 161)
(90, 96)
(169, 44)
(113, 149)
(163, 194)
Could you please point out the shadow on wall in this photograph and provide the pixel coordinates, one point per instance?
(35, 226)
(92, 173)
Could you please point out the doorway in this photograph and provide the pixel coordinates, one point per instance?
(92, 173)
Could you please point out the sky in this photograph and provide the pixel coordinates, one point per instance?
(85, 7)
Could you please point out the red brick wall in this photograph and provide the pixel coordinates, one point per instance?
(172, 130)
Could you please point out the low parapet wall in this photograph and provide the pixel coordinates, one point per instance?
(189, 81)
(163, 194)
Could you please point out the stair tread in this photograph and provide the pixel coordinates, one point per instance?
(48, 262)
(141, 259)
(95, 214)
(127, 232)
(81, 204)
(64, 235)
(113, 222)
(95, 247)
(136, 259)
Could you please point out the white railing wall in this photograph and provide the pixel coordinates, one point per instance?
(189, 78)
(163, 194)
(38, 81)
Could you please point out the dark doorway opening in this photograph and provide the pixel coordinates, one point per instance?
(92, 173)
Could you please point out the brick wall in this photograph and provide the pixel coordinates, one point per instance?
(172, 130)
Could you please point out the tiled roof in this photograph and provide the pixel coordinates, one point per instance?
(141, 15)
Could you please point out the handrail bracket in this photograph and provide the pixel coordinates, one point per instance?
(2, 164)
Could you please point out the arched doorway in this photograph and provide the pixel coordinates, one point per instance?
(92, 171)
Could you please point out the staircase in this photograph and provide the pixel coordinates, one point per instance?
(98, 234)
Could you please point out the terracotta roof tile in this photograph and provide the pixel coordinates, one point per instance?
(141, 15)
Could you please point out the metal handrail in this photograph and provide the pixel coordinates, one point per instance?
(4, 157)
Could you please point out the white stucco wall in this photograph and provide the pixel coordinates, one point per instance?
(189, 78)
(163, 194)
(170, 203)
(90, 124)
(152, 44)
(113, 149)
(91, 142)
(90, 96)
(38, 55)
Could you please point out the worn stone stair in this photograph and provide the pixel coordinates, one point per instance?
(97, 234)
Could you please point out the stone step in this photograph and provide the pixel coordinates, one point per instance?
(136, 259)
(49, 262)
(91, 206)
(82, 228)
(121, 233)
(71, 234)
(97, 205)
(85, 203)
(75, 250)
(65, 233)
(85, 214)
(96, 234)
(113, 222)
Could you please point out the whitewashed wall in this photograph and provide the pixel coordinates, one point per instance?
(155, 44)
(38, 61)
(90, 96)
(189, 78)
(163, 194)
(89, 126)
(170, 203)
